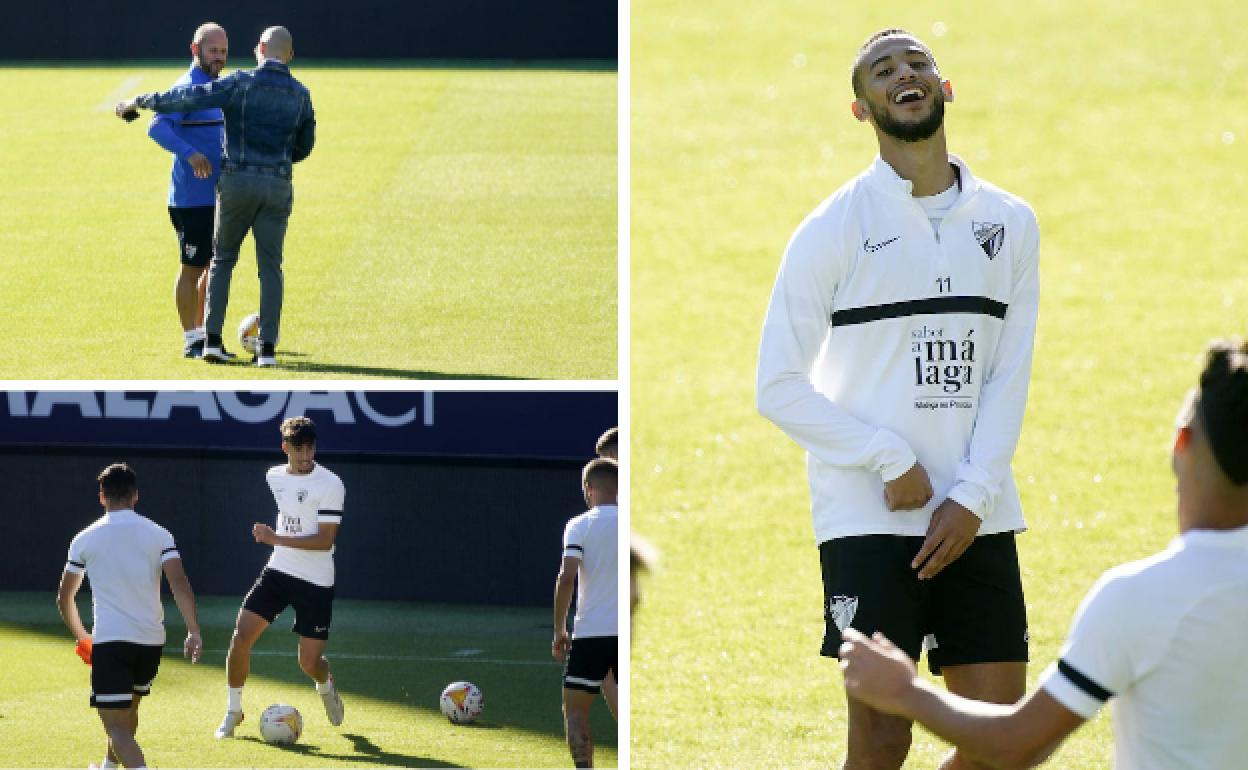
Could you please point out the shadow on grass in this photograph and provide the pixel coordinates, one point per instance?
(286, 365)
(365, 751)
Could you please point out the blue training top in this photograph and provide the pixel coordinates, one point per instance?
(185, 133)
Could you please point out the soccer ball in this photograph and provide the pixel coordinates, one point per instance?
(249, 333)
(281, 724)
(462, 702)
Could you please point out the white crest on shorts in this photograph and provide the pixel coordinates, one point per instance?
(190, 250)
(842, 609)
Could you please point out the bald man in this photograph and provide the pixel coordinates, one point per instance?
(255, 192)
(194, 138)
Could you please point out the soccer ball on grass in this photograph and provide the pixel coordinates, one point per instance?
(462, 702)
(281, 724)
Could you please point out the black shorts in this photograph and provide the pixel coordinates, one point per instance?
(194, 226)
(589, 661)
(971, 612)
(121, 670)
(274, 591)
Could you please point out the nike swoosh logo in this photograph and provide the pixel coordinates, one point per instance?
(877, 246)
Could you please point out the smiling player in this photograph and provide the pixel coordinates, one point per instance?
(897, 352)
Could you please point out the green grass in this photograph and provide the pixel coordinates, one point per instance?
(451, 222)
(1121, 123)
(391, 661)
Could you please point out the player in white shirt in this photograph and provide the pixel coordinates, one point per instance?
(124, 554)
(590, 558)
(300, 572)
(1163, 638)
(897, 352)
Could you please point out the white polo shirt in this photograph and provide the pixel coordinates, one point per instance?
(303, 503)
(122, 554)
(1165, 639)
(592, 537)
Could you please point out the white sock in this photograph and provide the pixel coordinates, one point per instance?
(236, 699)
(190, 335)
(324, 687)
(108, 762)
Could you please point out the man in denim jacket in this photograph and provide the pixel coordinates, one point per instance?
(195, 139)
(269, 126)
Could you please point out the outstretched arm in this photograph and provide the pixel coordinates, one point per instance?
(1018, 736)
(184, 98)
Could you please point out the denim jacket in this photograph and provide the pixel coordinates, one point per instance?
(268, 114)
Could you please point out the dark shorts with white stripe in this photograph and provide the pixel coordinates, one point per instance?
(971, 612)
(589, 662)
(274, 591)
(194, 226)
(121, 670)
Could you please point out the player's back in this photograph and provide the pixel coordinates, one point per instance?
(596, 533)
(1186, 706)
(122, 555)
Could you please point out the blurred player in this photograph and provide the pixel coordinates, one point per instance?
(195, 139)
(300, 572)
(269, 126)
(1163, 637)
(124, 554)
(589, 562)
(897, 352)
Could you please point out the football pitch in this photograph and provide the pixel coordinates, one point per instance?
(1121, 123)
(454, 221)
(391, 661)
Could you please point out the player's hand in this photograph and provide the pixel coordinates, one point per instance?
(876, 672)
(560, 646)
(83, 649)
(127, 110)
(200, 165)
(263, 533)
(193, 647)
(950, 532)
(910, 490)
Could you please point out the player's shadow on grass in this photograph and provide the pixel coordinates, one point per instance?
(365, 751)
(286, 364)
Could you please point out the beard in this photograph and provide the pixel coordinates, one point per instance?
(212, 68)
(915, 131)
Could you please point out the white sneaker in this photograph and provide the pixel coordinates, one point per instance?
(266, 356)
(334, 709)
(232, 719)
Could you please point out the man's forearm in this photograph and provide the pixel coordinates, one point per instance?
(69, 613)
(988, 732)
(318, 542)
(185, 599)
(563, 601)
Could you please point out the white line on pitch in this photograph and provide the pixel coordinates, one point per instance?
(414, 658)
(124, 91)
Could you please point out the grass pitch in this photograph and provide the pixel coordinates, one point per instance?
(1121, 123)
(451, 223)
(391, 661)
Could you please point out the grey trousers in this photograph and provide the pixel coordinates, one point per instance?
(260, 203)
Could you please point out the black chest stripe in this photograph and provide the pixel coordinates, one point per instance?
(929, 306)
(193, 123)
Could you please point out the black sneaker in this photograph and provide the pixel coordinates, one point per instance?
(215, 352)
(193, 349)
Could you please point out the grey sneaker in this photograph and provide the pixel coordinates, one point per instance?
(226, 730)
(334, 709)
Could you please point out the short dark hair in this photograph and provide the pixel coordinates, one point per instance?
(608, 441)
(601, 471)
(1223, 406)
(854, 81)
(118, 482)
(298, 431)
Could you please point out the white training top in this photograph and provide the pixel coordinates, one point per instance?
(1165, 639)
(592, 537)
(938, 206)
(887, 342)
(303, 503)
(122, 554)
